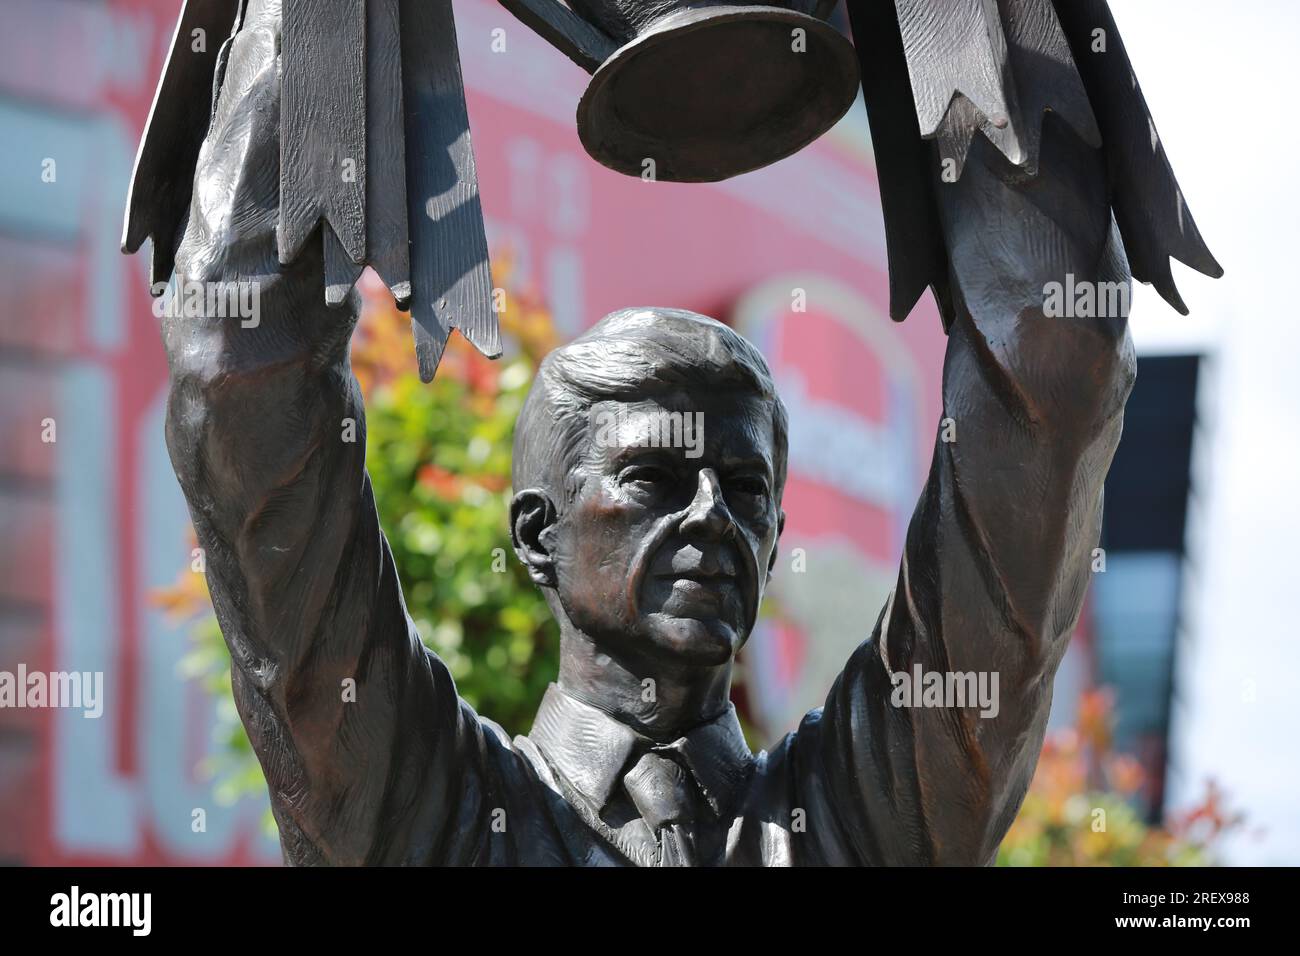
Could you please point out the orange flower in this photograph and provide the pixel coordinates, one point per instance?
(1125, 774)
(440, 481)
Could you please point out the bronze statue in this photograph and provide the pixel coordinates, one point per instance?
(653, 555)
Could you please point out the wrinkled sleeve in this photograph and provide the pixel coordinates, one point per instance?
(999, 550)
(369, 755)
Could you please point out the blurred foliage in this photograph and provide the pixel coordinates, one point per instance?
(439, 461)
(1081, 807)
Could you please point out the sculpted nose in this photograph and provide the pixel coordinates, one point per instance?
(708, 514)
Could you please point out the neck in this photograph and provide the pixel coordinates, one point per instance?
(679, 699)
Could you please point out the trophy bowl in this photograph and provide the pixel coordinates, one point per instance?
(699, 92)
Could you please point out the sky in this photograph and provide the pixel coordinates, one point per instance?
(1219, 79)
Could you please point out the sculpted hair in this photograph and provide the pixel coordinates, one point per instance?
(628, 355)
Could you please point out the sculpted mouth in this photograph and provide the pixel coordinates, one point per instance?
(693, 594)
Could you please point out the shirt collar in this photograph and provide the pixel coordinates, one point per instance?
(592, 750)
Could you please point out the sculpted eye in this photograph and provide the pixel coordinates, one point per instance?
(749, 485)
(645, 475)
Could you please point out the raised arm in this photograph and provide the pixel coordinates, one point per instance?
(998, 554)
(368, 753)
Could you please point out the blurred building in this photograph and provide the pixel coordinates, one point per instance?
(1136, 604)
(93, 522)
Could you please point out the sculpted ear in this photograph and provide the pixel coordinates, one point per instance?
(532, 514)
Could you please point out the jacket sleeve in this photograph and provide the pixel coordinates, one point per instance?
(369, 755)
(999, 551)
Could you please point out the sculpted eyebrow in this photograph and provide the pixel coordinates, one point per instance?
(743, 465)
(633, 453)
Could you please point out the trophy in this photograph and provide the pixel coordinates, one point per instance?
(699, 92)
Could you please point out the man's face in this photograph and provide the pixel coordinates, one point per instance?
(666, 550)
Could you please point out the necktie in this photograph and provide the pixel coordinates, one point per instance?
(661, 790)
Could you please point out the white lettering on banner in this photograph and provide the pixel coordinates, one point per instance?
(94, 805)
(836, 446)
(97, 808)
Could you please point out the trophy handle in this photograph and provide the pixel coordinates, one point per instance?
(565, 30)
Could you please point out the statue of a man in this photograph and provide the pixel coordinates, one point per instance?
(653, 561)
